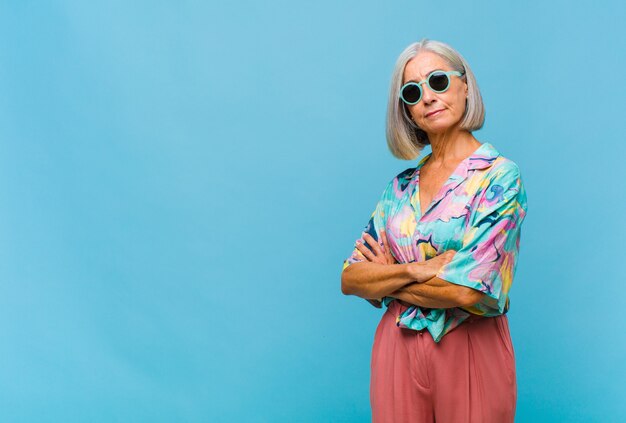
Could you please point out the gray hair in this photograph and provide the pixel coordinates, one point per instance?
(404, 138)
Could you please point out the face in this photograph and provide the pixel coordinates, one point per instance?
(449, 105)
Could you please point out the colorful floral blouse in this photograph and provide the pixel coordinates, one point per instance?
(478, 212)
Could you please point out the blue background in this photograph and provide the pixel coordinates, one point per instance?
(180, 183)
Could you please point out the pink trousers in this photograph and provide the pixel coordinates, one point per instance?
(468, 377)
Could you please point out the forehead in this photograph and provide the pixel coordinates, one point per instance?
(421, 65)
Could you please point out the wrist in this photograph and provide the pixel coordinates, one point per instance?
(416, 272)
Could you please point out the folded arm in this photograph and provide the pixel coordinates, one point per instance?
(408, 282)
(374, 280)
(414, 282)
(438, 293)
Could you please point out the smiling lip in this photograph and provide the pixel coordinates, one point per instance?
(432, 113)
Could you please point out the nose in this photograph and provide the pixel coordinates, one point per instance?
(427, 94)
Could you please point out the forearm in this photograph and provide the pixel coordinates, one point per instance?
(373, 280)
(436, 293)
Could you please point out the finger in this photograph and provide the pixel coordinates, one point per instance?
(365, 251)
(449, 255)
(386, 248)
(383, 235)
(373, 243)
(385, 242)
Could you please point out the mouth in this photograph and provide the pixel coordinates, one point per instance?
(434, 113)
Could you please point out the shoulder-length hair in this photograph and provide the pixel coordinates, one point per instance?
(404, 138)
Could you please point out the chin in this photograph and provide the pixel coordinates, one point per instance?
(440, 127)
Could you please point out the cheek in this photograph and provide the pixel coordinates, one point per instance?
(416, 113)
(460, 99)
(456, 105)
(413, 110)
(455, 98)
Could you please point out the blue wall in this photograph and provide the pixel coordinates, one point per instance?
(181, 181)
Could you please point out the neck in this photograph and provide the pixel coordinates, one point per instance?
(452, 145)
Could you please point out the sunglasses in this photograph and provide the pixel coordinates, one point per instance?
(438, 81)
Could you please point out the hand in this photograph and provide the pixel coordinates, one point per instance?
(429, 268)
(378, 255)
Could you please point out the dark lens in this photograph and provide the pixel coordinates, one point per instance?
(411, 93)
(438, 81)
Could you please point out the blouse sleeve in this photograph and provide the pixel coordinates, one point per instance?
(374, 225)
(488, 255)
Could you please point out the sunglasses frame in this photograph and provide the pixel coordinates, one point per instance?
(419, 84)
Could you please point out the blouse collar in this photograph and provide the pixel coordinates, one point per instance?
(482, 158)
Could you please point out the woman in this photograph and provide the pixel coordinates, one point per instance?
(440, 251)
